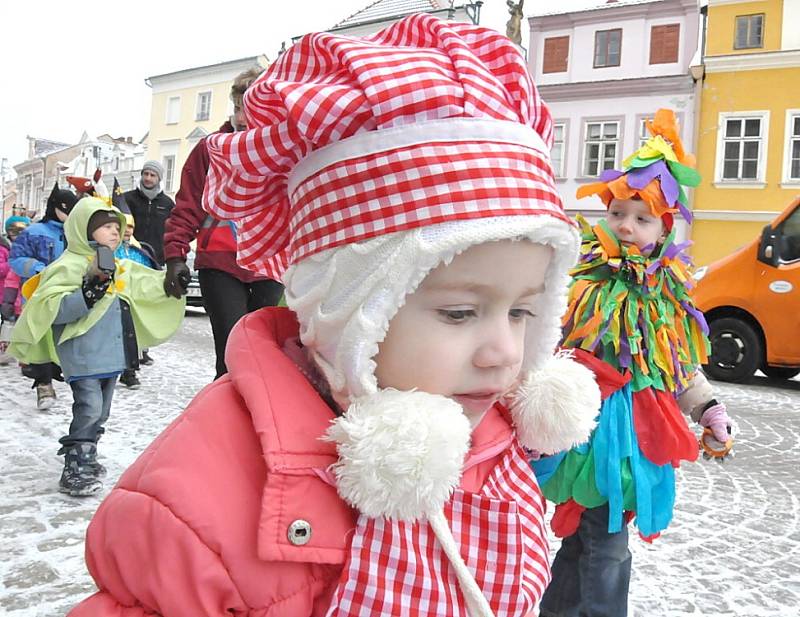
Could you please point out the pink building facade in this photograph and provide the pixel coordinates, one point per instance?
(603, 71)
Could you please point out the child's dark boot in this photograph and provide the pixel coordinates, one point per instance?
(79, 477)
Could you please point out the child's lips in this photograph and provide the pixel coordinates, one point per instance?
(477, 401)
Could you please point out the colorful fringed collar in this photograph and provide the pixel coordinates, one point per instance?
(635, 312)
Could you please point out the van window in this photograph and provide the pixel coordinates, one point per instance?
(790, 237)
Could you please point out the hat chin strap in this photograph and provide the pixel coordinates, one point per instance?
(400, 457)
(477, 604)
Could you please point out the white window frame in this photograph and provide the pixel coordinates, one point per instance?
(169, 172)
(198, 109)
(749, 17)
(759, 181)
(620, 122)
(167, 118)
(561, 172)
(641, 128)
(642, 134)
(786, 179)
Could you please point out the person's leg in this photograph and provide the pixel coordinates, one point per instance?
(225, 300)
(87, 409)
(107, 390)
(605, 566)
(263, 293)
(107, 387)
(563, 594)
(78, 446)
(42, 375)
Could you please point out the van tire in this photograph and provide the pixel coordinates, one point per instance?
(780, 372)
(736, 350)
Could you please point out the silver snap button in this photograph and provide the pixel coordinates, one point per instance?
(299, 532)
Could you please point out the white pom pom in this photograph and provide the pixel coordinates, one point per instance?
(400, 453)
(555, 407)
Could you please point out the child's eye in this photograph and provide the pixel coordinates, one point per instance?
(456, 315)
(644, 220)
(519, 314)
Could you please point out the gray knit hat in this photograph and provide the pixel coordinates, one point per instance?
(156, 167)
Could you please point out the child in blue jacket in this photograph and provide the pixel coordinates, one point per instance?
(34, 249)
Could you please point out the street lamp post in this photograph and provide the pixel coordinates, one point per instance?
(3, 162)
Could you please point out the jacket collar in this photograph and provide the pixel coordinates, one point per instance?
(289, 417)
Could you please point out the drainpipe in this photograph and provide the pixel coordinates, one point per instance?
(698, 74)
(44, 179)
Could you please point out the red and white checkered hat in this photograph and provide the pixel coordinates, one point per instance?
(424, 122)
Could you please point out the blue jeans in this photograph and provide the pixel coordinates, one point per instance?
(591, 571)
(91, 404)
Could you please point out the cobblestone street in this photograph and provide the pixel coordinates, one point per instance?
(732, 549)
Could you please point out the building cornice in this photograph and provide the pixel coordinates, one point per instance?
(641, 86)
(753, 62)
(221, 67)
(611, 13)
(735, 215)
(722, 2)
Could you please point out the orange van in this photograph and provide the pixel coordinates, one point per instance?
(751, 300)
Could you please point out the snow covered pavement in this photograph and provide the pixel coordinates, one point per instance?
(732, 550)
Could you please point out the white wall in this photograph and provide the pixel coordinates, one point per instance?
(790, 35)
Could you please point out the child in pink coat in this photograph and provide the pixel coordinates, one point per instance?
(10, 296)
(365, 453)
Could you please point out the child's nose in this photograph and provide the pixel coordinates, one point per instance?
(502, 346)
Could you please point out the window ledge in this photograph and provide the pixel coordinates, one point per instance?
(587, 179)
(559, 179)
(790, 184)
(740, 185)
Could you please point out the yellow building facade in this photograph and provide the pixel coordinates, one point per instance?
(186, 106)
(748, 148)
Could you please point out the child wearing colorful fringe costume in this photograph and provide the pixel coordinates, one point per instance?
(630, 307)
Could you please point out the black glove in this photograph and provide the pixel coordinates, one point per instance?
(176, 282)
(7, 304)
(93, 289)
(7, 311)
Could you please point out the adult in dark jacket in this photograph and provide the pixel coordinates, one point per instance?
(34, 249)
(229, 291)
(150, 207)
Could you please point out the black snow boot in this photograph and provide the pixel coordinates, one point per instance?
(79, 477)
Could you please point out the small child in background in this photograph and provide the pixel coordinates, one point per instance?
(82, 316)
(10, 298)
(629, 306)
(39, 245)
(141, 253)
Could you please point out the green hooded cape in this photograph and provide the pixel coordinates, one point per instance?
(156, 316)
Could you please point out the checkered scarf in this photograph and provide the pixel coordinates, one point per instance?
(398, 568)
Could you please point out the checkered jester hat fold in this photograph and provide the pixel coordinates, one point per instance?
(424, 122)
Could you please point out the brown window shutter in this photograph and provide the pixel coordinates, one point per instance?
(664, 43)
(556, 51)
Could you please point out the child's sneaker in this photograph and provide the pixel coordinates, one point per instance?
(146, 360)
(45, 395)
(129, 379)
(79, 477)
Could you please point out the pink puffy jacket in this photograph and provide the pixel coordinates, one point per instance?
(199, 524)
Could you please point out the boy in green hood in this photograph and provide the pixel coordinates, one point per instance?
(92, 323)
